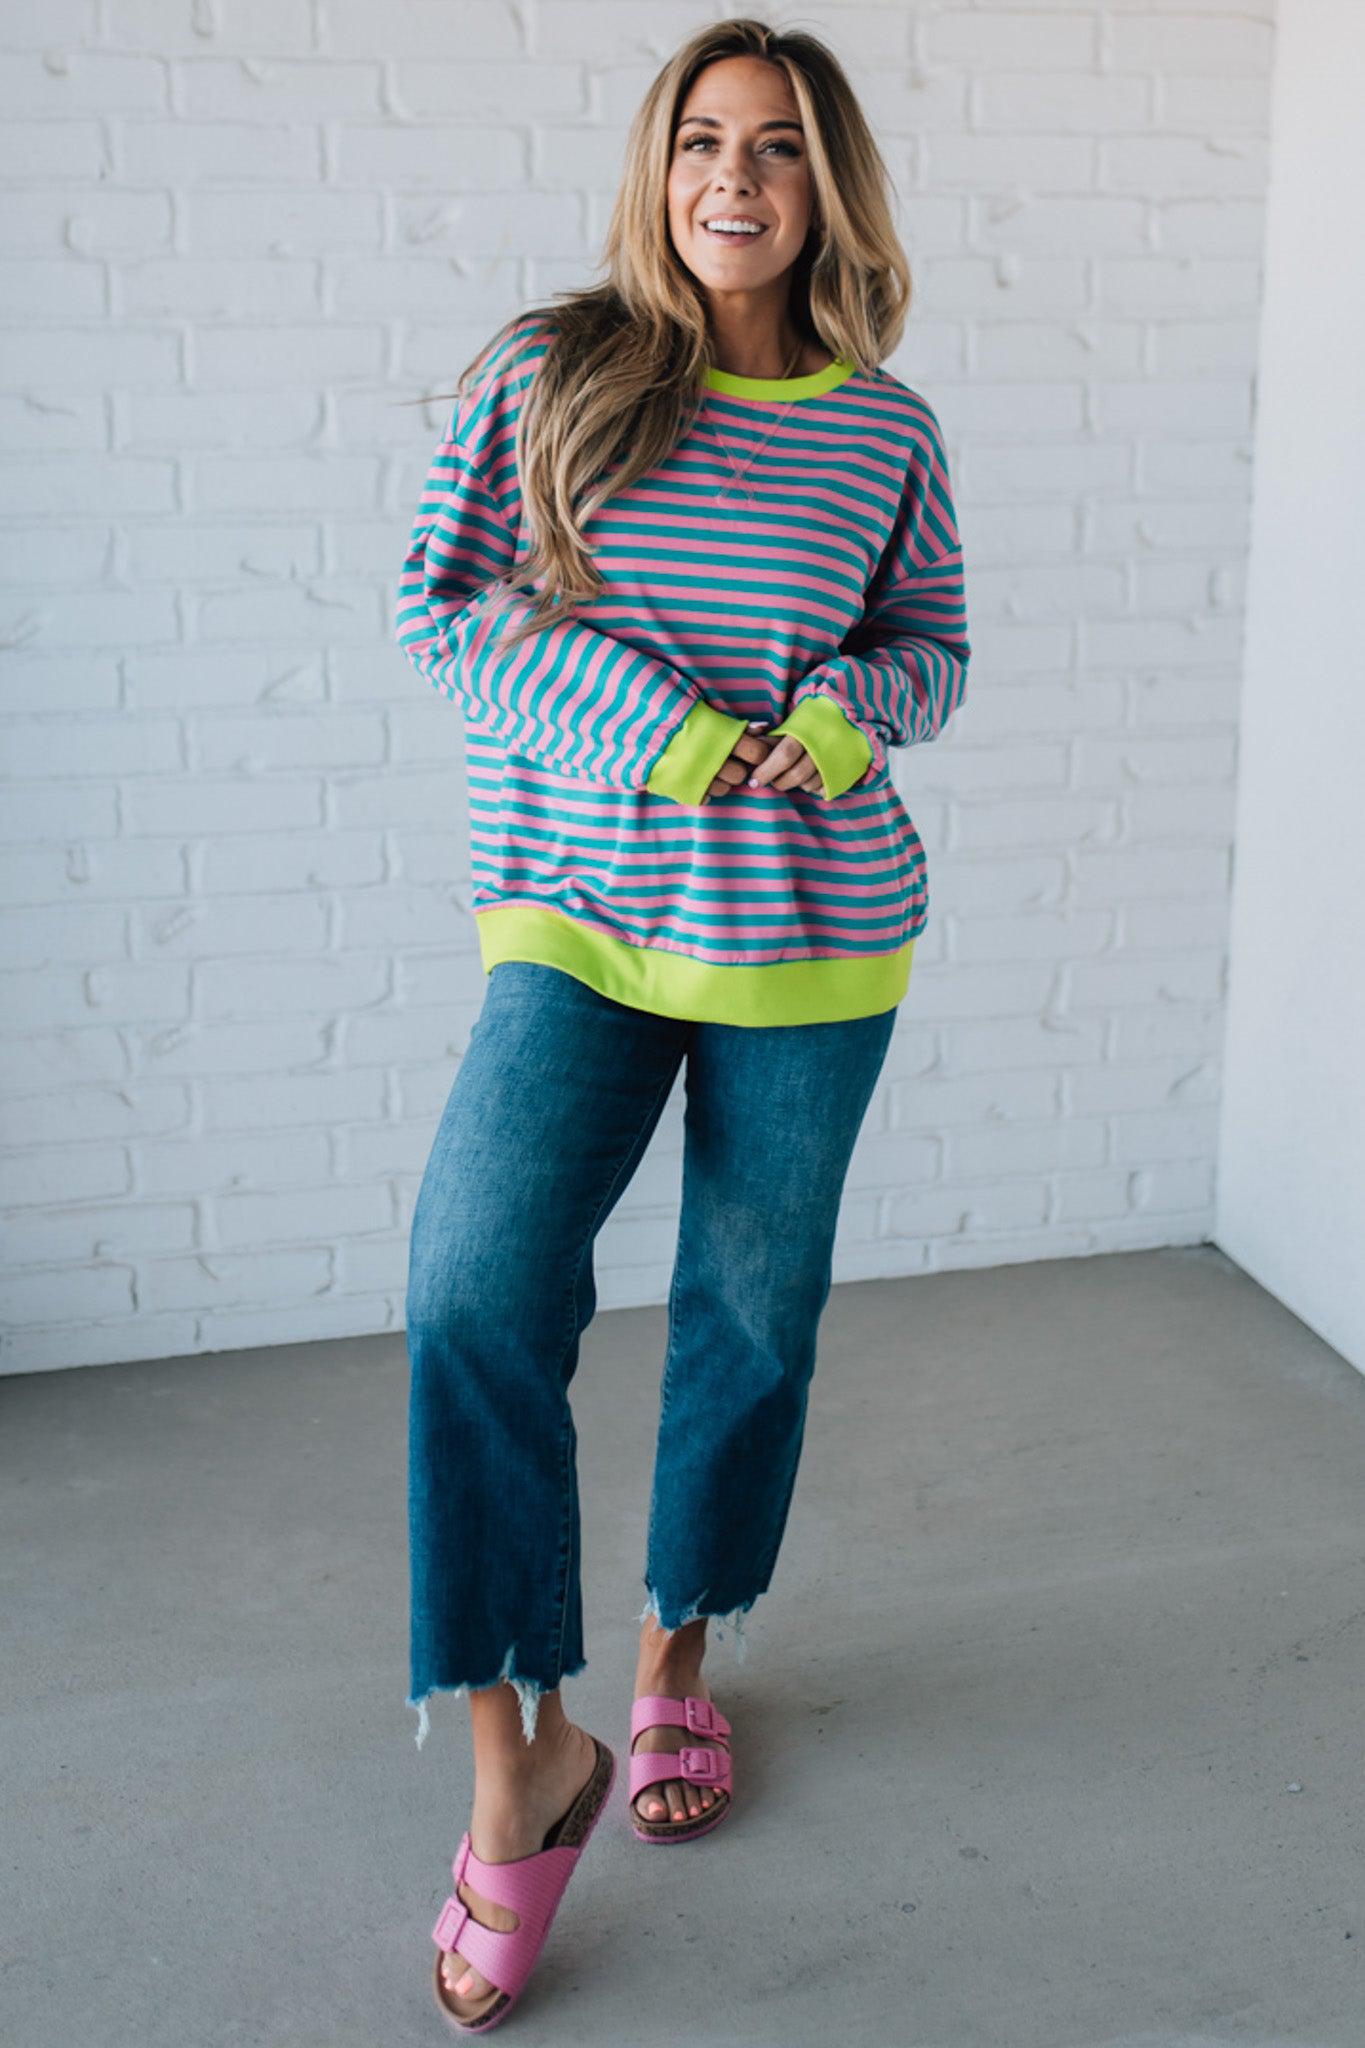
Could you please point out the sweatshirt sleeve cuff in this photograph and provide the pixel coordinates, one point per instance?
(687, 766)
(839, 749)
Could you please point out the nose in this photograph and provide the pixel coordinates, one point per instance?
(732, 173)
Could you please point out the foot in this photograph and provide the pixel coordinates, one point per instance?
(675, 1800)
(507, 1821)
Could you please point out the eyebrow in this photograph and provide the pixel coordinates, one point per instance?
(710, 121)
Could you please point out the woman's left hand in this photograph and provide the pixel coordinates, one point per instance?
(788, 766)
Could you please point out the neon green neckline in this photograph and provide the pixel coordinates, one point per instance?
(785, 388)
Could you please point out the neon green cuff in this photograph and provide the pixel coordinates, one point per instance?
(838, 748)
(688, 764)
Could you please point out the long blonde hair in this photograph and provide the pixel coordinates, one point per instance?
(621, 380)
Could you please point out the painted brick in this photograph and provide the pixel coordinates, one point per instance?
(240, 968)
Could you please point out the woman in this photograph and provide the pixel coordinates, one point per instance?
(688, 558)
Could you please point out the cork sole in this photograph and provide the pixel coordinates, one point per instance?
(670, 1831)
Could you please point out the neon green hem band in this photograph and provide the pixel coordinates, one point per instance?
(676, 985)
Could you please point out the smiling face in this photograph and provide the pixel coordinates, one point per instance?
(739, 153)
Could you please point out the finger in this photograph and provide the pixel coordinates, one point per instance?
(747, 752)
(732, 772)
(798, 775)
(753, 746)
(786, 755)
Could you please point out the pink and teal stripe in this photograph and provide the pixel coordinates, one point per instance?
(822, 594)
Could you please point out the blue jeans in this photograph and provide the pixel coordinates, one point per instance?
(550, 1114)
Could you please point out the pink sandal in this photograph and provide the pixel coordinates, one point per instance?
(532, 1886)
(698, 1766)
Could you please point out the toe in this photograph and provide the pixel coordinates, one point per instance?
(464, 1987)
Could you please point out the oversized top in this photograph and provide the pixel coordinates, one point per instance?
(816, 588)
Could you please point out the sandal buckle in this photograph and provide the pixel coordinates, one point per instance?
(700, 1715)
(701, 1766)
(451, 1925)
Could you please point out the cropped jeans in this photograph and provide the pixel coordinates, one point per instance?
(551, 1111)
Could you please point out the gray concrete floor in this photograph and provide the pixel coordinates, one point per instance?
(1048, 1732)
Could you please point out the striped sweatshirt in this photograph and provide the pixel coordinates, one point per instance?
(819, 592)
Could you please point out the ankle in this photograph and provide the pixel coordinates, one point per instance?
(665, 1661)
(503, 1757)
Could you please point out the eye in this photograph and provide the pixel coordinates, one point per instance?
(786, 148)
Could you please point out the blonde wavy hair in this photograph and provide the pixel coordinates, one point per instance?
(623, 376)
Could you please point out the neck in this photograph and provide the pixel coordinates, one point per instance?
(752, 337)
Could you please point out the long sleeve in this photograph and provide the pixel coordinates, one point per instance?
(569, 696)
(901, 671)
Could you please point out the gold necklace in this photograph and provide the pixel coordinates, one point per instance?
(744, 493)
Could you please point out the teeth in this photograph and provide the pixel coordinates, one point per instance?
(717, 228)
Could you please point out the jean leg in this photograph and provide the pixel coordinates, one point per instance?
(551, 1111)
(772, 1117)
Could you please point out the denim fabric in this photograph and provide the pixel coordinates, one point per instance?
(550, 1114)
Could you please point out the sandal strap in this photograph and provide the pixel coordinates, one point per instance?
(484, 1948)
(530, 1886)
(697, 1766)
(661, 1710)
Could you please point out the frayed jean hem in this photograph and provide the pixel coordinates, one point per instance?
(527, 1690)
(698, 1611)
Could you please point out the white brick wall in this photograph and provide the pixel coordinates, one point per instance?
(238, 964)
